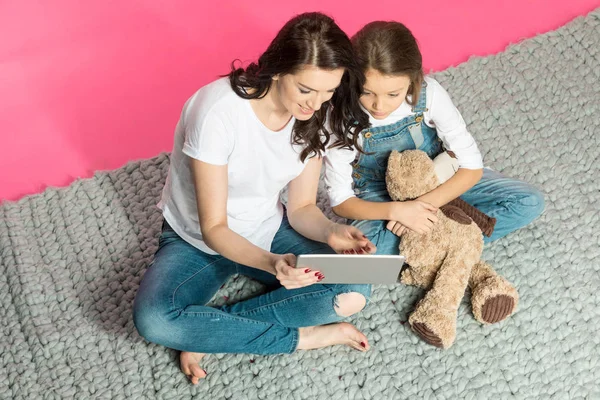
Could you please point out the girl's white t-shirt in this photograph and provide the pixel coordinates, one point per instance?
(219, 127)
(440, 114)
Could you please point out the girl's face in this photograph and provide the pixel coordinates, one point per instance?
(383, 94)
(305, 91)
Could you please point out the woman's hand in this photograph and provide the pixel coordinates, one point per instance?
(415, 215)
(291, 277)
(348, 239)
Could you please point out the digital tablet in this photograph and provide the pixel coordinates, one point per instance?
(353, 268)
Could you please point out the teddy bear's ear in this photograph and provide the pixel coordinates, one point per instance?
(395, 156)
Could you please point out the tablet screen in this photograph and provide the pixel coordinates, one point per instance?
(354, 268)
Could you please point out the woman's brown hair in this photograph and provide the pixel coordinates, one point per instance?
(310, 39)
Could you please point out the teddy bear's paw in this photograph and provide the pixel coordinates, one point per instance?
(427, 335)
(433, 325)
(406, 276)
(497, 308)
(493, 300)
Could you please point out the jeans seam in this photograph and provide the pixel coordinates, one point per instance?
(224, 316)
(194, 274)
(396, 126)
(271, 305)
(295, 339)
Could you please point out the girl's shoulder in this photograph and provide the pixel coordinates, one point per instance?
(432, 84)
(436, 94)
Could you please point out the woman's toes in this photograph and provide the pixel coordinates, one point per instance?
(196, 373)
(356, 338)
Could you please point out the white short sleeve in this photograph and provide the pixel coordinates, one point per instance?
(207, 139)
(338, 175)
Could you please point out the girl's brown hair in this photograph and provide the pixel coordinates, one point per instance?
(390, 48)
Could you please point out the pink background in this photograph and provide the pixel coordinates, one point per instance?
(90, 85)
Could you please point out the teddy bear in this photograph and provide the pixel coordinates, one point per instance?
(446, 260)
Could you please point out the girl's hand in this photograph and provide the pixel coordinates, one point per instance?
(291, 277)
(396, 227)
(348, 239)
(415, 215)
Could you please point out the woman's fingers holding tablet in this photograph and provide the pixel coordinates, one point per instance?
(291, 277)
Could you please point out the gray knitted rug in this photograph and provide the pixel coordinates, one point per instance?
(72, 260)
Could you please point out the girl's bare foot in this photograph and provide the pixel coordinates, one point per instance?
(190, 365)
(315, 337)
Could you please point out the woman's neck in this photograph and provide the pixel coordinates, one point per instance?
(270, 110)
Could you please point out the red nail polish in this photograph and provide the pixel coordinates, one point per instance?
(205, 373)
(363, 344)
(307, 270)
(317, 273)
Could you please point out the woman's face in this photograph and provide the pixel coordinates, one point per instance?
(383, 94)
(305, 91)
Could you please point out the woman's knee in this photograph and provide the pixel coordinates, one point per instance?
(352, 299)
(150, 321)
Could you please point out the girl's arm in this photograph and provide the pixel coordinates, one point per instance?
(463, 180)
(452, 130)
(418, 215)
(308, 220)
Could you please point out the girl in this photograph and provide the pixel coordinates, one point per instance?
(409, 111)
(239, 141)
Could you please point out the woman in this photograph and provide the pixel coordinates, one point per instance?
(240, 140)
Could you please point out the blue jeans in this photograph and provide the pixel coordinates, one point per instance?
(170, 305)
(513, 203)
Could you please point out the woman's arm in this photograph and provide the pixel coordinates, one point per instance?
(210, 183)
(308, 220)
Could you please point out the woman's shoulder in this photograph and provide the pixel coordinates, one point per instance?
(216, 97)
(217, 93)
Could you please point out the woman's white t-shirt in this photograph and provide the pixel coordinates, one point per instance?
(219, 127)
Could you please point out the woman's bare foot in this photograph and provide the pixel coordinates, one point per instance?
(315, 337)
(190, 365)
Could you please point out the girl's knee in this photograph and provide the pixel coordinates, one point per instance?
(538, 202)
(352, 300)
(532, 204)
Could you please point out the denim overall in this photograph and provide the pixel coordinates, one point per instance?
(369, 170)
(512, 202)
